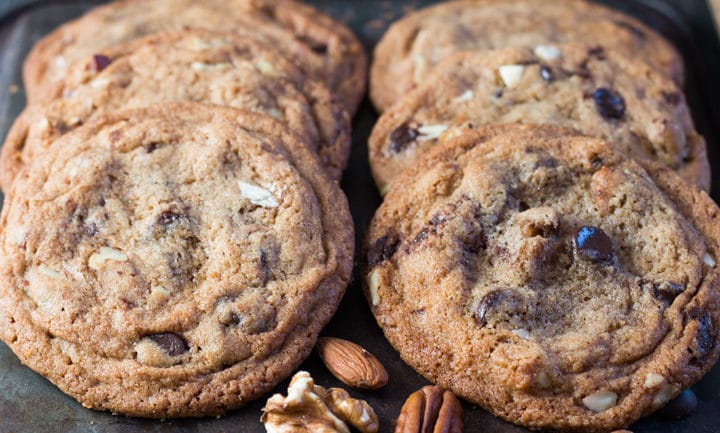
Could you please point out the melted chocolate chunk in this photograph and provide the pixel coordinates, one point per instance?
(318, 47)
(685, 404)
(474, 242)
(422, 235)
(171, 343)
(671, 98)
(609, 104)
(705, 342)
(382, 249)
(61, 127)
(402, 137)
(152, 147)
(594, 244)
(632, 29)
(547, 74)
(667, 291)
(596, 163)
(99, 62)
(487, 304)
(169, 217)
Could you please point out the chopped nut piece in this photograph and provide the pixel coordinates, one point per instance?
(468, 95)
(257, 195)
(309, 408)
(543, 380)
(522, 333)
(600, 401)
(373, 286)
(511, 74)
(431, 132)
(653, 379)
(708, 260)
(547, 52)
(264, 66)
(667, 392)
(98, 259)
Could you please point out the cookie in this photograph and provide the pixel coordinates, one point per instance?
(409, 49)
(178, 260)
(547, 277)
(189, 65)
(596, 91)
(324, 48)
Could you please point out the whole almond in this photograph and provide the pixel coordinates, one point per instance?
(351, 364)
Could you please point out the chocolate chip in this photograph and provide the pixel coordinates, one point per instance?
(609, 104)
(488, 303)
(438, 219)
(401, 137)
(594, 244)
(597, 52)
(683, 405)
(422, 235)
(61, 127)
(667, 291)
(99, 62)
(632, 29)
(546, 73)
(115, 135)
(498, 93)
(382, 249)
(671, 98)
(171, 343)
(264, 268)
(169, 217)
(318, 47)
(596, 163)
(474, 241)
(704, 342)
(152, 147)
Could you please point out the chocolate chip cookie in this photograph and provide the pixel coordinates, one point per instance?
(547, 277)
(412, 45)
(177, 260)
(325, 48)
(597, 91)
(189, 65)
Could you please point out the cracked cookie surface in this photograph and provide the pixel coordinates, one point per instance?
(596, 91)
(548, 278)
(184, 66)
(414, 44)
(323, 47)
(178, 260)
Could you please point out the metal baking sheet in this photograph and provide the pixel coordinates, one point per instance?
(30, 404)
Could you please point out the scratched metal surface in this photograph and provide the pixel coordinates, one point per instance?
(30, 404)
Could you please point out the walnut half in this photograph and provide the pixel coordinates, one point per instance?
(311, 408)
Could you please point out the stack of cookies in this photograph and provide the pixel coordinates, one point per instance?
(173, 235)
(546, 247)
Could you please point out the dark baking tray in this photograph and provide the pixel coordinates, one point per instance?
(30, 404)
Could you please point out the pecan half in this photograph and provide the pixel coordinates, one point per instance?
(430, 410)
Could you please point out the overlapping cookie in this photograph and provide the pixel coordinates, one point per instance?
(324, 48)
(178, 260)
(414, 44)
(547, 277)
(184, 66)
(596, 91)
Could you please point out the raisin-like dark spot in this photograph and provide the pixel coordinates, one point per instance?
(671, 98)
(99, 62)
(582, 71)
(594, 244)
(382, 249)
(232, 319)
(401, 137)
(316, 46)
(474, 242)
(92, 229)
(498, 93)
(609, 104)
(264, 267)
(152, 147)
(632, 29)
(101, 202)
(597, 52)
(171, 343)
(596, 163)
(488, 303)
(115, 135)
(422, 235)
(683, 405)
(705, 342)
(667, 291)
(437, 220)
(61, 127)
(169, 217)
(546, 73)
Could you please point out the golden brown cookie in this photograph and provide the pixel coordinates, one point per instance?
(414, 44)
(178, 260)
(548, 278)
